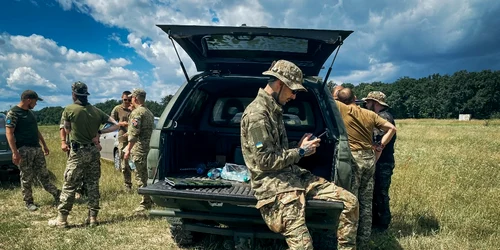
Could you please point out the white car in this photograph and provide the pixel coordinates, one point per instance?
(109, 143)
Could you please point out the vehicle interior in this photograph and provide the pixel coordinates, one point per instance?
(208, 126)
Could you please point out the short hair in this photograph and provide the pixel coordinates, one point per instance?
(346, 96)
(140, 98)
(126, 92)
(272, 79)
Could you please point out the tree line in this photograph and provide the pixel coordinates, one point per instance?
(435, 96)
(52, 115)
(440, 96)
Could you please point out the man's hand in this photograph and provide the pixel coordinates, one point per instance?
(309, 146)
(123, 124)
(46, 151)
(98, 146)
(16, 158)
(126, 155)
(308, 135)
(64, 146)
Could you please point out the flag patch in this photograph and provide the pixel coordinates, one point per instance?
(259, 145)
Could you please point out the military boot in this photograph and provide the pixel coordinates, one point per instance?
(61, 221)
(91, 221)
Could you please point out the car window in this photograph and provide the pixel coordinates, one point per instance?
(228, 112)
(2, 123)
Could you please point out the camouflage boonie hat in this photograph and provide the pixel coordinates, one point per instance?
(30, 94)
(288, 73)
(138, 92)
(80, 88)
(376, 96)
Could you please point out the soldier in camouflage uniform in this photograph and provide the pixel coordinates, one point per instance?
(24, 137)
(360, 124)
(82, 122)
(281, 187)
(384, 167)
(140, 128)
(121, 113)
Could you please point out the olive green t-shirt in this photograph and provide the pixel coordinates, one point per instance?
(121, 114)
(25, 126)
(85, 122)
(359, 123)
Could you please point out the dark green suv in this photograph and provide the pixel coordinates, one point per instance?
(8, 171)
(200, 127)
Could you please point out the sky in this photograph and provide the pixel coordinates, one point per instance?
(114, 45)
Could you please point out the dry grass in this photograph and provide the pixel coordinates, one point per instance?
(445, 195)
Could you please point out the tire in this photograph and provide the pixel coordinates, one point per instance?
(116, 159)
(180, 236)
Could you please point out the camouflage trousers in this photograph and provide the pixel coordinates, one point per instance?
(286, 214)
(124, 167)
(141, 174)
(362, 187)
(84, 165)
(33, 167)
(381, 209)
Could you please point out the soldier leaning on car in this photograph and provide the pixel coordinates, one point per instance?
(121, 113)
(24, 140)
(82, 122)
(140, 128)
(360, 124)
(384, 167)
(281, 187)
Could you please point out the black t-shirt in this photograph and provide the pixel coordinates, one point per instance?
(387, 155)
(25, 126)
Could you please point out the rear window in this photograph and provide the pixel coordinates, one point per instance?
(228, 112)
(256, 43)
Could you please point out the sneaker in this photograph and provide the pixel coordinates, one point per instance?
(31, 207)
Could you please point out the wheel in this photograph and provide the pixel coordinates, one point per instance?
(116, 159)
(324, 239)
(180, 236)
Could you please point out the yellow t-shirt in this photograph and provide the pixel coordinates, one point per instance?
(359, 123)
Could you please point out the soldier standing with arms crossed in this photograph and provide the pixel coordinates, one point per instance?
(281, 187)
(384, 167)
(81, 122)
(140, 128)
(121, 114)
(24, 140)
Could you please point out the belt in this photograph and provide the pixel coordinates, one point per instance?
(78, 145)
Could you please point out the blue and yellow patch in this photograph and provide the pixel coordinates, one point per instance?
(8, 121)
(259, 145)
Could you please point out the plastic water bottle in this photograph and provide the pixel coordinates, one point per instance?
(131, 164)
(214, 173)
(234, 172)
(201, 168)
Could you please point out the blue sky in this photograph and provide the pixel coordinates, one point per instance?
(114, 45)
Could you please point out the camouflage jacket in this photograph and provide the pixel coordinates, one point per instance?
(265, 150)
(140, 128)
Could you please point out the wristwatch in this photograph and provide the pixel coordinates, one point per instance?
(302, 152)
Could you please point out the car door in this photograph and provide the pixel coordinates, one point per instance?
(108, 142)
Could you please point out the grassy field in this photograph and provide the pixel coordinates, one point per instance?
(445, 195)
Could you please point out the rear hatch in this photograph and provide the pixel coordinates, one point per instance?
(251, 50)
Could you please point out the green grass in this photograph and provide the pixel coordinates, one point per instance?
(445, 194)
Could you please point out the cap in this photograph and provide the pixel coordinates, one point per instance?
(80, 88)
(30, 94)
(288, 73)
(376, 96)
(138, 92)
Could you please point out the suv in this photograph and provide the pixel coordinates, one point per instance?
(8, 171)
(201, 125)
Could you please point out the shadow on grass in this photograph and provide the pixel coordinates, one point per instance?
(421, 224)
(115, 220)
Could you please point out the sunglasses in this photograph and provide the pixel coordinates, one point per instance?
(294, 91)
(127, 100)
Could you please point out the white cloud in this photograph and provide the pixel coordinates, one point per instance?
(38, 63)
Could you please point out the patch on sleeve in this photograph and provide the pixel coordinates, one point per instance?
(8, 121)
(135, 122)
(259, 145)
